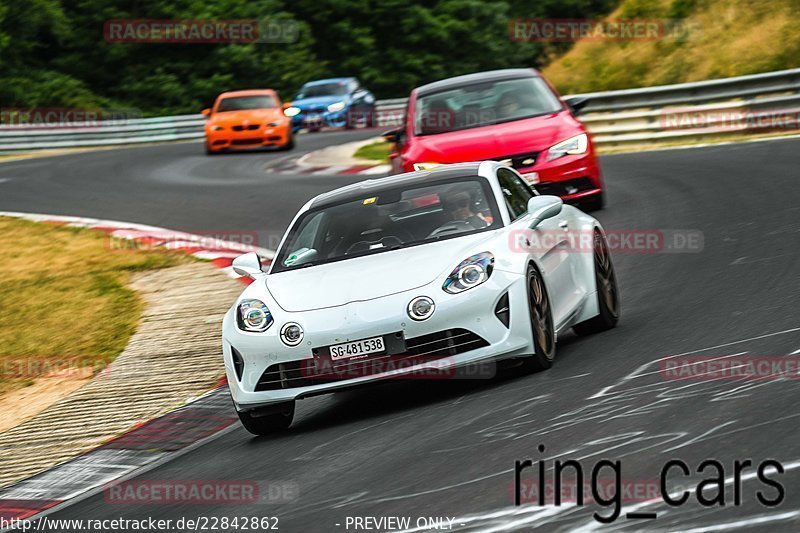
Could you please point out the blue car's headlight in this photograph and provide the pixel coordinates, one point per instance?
(470, 273)
(338, 106)
(253, 315)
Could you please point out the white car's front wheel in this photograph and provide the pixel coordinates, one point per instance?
(544, 337)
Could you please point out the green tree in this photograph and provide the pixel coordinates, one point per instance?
(53, 52)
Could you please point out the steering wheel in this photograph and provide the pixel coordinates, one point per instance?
(454, 226)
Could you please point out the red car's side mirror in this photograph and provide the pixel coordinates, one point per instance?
(206, 112)
(576, 104)
(391, 136)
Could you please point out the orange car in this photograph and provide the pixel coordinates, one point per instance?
(247, 119)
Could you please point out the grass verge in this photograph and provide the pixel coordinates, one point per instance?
(377, 152)
(688, 143)
(713, 39)
(65, 305)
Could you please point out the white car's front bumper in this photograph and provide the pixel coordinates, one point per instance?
(472, 310)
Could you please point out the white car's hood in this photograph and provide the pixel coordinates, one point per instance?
(371, 276)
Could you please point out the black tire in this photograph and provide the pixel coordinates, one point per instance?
(595, 203)
(607, 291)
(209, 151)
(269, 423)
(542, 330)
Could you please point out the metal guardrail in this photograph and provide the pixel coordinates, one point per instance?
(615, 118)
(27, 138)
(759, 103)
(695, 92)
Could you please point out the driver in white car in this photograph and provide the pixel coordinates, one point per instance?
(458, 206)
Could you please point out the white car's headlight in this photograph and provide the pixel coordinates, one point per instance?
(337, 106)
(292, 111)
(425, 166)
(470, 273)
(574, 145)
(253, 315)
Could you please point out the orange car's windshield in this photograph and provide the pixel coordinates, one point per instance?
(238, 103)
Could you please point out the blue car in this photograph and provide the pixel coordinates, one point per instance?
(335, 102)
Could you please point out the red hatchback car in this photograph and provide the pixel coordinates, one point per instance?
(514, 116)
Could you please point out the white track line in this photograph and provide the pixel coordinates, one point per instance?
(641, 368)
(170, 456)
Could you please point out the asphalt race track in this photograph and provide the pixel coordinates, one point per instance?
(175, 186)
(447, 448)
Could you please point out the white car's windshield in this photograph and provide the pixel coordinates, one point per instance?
(389, 219)
(482, 104)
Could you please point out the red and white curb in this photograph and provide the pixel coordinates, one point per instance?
(152, 442)
(142, 448)
(220, 253)
(296, 166)
(369, 170)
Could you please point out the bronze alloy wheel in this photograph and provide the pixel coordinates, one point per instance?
(604, 271)
(607, 291)
(542, 330)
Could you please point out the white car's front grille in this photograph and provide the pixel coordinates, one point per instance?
(426, 348)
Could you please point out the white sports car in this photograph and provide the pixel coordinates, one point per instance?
(415, 274)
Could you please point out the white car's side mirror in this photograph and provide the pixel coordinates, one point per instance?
(543, 207)
(248, 265)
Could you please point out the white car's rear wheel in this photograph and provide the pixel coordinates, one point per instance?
(544, 337)
(607, 291)
(268, 423)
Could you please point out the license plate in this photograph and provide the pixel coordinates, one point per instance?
(347, 350)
